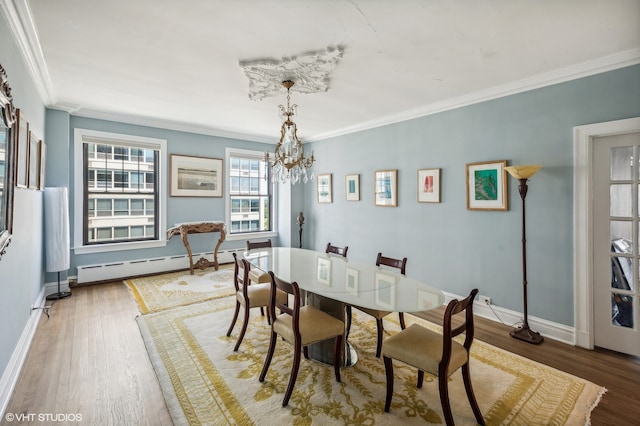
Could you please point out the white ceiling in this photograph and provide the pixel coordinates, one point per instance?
(175, 64)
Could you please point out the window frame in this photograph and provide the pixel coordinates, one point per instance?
(85, 135)
(236, 152)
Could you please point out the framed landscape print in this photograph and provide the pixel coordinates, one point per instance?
(22, 148)
(195, 176)
(324, 188)
(386, 188)
(352, 187)
(487, 185)
(429, 186)
(33, 174)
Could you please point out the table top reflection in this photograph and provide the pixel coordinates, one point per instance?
(345, 280)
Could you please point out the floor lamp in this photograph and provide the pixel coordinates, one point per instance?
(56, 235)
(522, 174)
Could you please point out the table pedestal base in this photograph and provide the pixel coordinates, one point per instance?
(323, 351)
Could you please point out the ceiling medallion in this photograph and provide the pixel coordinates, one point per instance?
(310, 71)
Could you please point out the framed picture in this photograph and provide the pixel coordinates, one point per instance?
(429, 186)
(195, 176)
(33, 174)
(324, 188)
(42, 163)
(351, 281)
(386, 188)
(22, 149)
(352, 187)
(385, 288)
(487, 186)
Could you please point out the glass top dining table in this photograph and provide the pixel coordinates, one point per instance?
(345, 280)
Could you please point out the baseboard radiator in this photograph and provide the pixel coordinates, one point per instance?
(156, 265)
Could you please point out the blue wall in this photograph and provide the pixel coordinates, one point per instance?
(21, 276)
(447, 245)
(179, 209)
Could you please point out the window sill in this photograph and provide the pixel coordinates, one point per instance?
(250, 235)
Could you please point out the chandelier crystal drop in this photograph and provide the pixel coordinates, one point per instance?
(289, 162)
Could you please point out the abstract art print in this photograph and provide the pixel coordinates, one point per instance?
(487, 185)
(429, 186)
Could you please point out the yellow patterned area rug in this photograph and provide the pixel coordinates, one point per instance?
(205, 383)
(159, 292)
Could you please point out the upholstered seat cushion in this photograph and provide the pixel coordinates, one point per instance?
(374, 312)
(315, 326)
(259, 295)
(422, 348)
(257, 276)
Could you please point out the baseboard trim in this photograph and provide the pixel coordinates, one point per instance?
(12, 372)
(549, 330)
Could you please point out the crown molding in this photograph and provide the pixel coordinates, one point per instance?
(170, 125)
(20, 20)
(584, 69)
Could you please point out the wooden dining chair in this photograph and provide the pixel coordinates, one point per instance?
(340, 251)
(377, 314)
(299, 326)
(438, 354)
(258, 244)
(248, 295)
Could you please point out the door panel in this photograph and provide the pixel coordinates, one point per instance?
(616, 186)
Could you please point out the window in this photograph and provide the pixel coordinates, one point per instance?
(119, 202)
(250, 202)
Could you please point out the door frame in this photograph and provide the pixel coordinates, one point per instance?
(583, 139)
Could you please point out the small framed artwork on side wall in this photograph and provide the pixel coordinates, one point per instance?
(428, 186)
(487, 185)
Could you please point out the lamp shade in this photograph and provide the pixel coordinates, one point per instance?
(56, 229)
(523, 172)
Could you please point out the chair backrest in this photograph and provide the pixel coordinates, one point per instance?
(258, 244)
(393, 263)
(457, 307)
(241, 269)
(342, 251)
(291, 288)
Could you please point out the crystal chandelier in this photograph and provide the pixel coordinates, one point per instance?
(289, 161)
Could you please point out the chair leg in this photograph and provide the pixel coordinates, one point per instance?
(420, 378)
(388, 368)
(348, 312)
(267, 360)
(244, 329)
(305, 351)
(235, 318)
(380, 328)
(466, 376)
(401, 315)
(262, 310)
(294, 374)
(444, 398)
(337, 357)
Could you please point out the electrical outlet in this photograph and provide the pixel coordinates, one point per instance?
(484, 299)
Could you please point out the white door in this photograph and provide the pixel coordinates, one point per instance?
(616, 238)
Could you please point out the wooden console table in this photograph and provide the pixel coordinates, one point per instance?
(184, 229)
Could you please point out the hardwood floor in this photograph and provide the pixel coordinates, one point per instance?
(89, 359)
